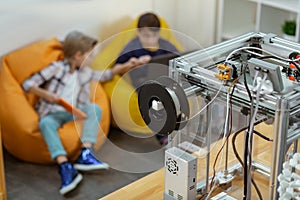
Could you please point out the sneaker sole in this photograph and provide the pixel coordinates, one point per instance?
(72, 185)
(83, 167)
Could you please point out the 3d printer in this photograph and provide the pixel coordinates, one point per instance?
(215, 92)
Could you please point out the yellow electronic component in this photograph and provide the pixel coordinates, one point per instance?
(224, 72)
(222, 76)
(223, 67)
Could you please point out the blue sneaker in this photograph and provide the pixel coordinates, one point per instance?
(87, 161)
(70, 177)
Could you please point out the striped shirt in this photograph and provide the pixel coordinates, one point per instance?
(54, 77)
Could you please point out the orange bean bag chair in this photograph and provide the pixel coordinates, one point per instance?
(123, 98)
(19, 121)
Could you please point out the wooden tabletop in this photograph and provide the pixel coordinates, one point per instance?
(152, 186)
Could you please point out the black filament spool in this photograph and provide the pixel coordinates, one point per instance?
(169, 92)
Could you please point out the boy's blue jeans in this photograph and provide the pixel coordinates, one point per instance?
(50, 123)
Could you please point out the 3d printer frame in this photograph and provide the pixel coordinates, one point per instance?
(282, 103)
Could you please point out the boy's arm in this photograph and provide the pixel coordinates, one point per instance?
(40, 77)
(131, 63)
(51, 98)
(119, 68)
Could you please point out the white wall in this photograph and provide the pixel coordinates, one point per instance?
(196, 19)
(26, 21)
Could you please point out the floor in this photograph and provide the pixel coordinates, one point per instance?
(129, 156)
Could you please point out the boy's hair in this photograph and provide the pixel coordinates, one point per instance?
(76, 41)
(149, 20)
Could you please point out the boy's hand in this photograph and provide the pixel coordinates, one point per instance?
(52, 98)
(132, 62)
(144, 59)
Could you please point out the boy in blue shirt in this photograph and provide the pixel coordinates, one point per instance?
(145, 46)
(140, 50)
